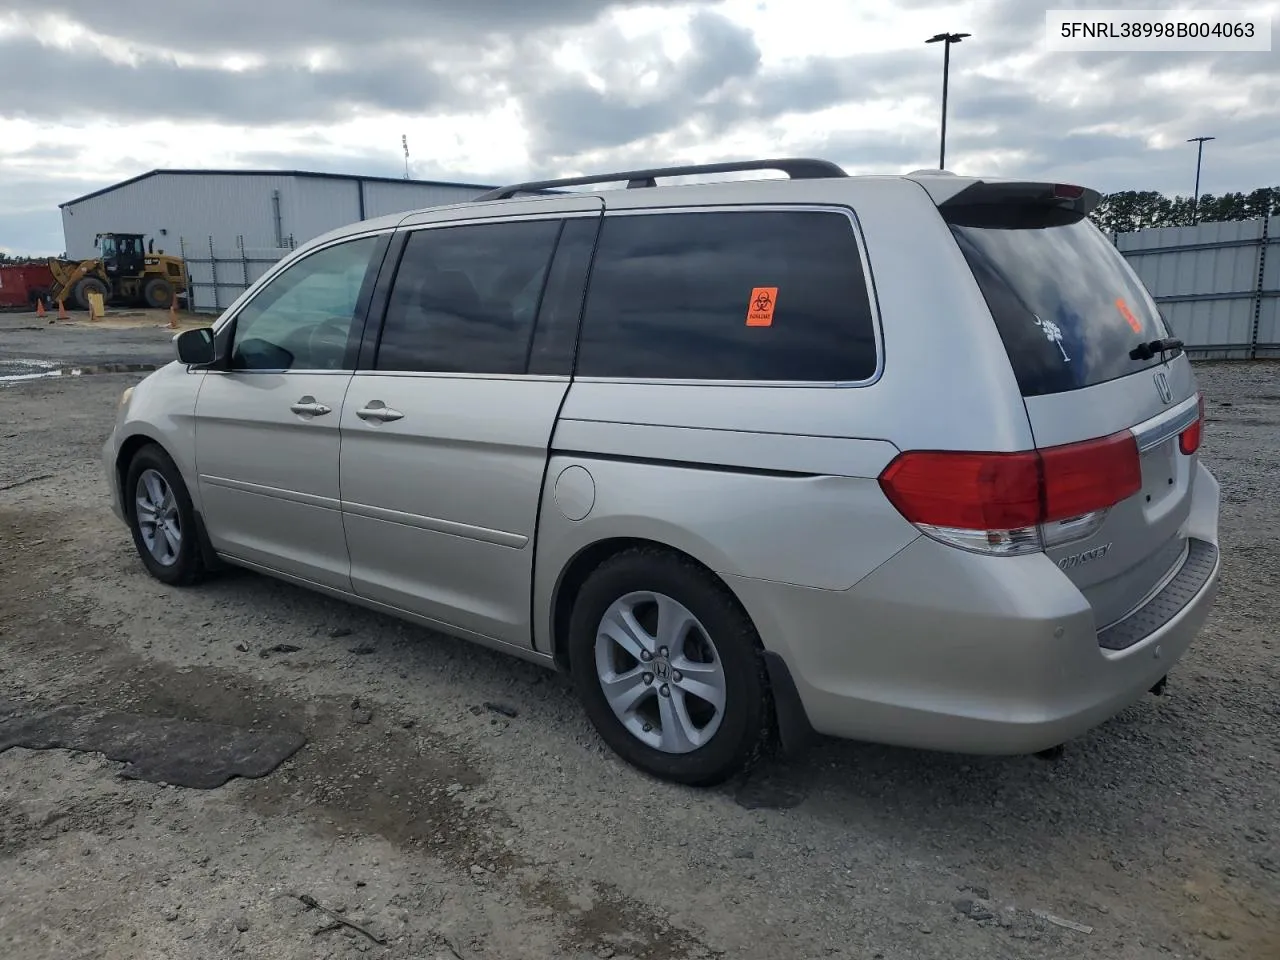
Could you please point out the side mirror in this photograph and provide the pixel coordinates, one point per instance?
(195, 347)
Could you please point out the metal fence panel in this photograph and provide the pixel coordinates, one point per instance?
(1218, 284)
(218, 274)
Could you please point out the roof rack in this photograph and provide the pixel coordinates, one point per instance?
(797, 168)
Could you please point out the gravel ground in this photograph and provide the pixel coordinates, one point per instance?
(451, 830)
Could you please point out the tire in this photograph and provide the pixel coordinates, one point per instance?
(158, 293)
(84, 287)
(183, 566)
(729, 739)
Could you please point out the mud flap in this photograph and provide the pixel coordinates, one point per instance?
(795, 733)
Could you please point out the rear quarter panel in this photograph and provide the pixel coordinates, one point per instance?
(825, 530)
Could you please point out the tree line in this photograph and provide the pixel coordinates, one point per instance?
(1140, 209)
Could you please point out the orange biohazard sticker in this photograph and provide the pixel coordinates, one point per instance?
(1134, 323)
(760, 308)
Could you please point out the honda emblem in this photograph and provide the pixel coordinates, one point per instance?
(1162, 387)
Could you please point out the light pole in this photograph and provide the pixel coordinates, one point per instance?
(1195, 198)
(946, 39)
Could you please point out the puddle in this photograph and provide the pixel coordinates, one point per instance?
(17, 371)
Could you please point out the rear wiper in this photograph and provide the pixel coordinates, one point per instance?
(1147, 350)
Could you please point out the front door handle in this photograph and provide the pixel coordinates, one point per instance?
(379, 412)
(308, 407)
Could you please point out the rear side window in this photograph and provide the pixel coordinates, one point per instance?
(1068, 307)
(465, 298)
(767, 295)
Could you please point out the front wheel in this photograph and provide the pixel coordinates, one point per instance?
(162, 519)
(669, 668)
(87, 285)
(157, 293)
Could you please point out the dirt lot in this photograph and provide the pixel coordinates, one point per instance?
(449, 829)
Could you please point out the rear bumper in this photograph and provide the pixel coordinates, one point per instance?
(942, 649)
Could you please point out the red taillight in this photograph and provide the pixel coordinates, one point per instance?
(1006, 491)
(1189, 439)
(1067, 191)
(969, 491)
(1082, 477)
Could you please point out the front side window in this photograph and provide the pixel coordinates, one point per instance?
(755, 295)
(465, 298)
(302, 319)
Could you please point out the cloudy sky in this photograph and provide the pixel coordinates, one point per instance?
(496, 90)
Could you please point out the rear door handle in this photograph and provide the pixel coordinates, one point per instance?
(378, 411)
(308, 407)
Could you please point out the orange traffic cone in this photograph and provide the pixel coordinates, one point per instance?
(62, 311)
(173, 314)
(40, 311)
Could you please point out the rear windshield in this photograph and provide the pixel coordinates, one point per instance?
(1066, 303)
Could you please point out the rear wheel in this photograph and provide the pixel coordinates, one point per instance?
(162, 519)
(158, 293)
(669, 668)
(86, 286)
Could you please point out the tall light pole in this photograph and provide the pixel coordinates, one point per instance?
(946, 39)
(1195, 198)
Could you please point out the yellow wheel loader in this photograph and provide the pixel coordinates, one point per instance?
(125, 274)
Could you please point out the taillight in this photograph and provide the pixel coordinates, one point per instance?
(1189, 439)
(1014, 503)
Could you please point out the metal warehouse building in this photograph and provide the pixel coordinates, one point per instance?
(230, 225)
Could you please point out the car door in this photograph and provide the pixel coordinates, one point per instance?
(445, 435)
(267, 434)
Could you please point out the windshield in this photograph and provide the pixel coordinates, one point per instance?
(1067, 305)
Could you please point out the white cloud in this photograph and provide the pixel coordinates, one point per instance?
(511, 89)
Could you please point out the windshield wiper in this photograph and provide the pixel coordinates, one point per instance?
(1148, 349)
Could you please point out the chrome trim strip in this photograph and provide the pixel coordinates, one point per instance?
(448, 527)
(1164, 426)
(279, 493)
(424, 375)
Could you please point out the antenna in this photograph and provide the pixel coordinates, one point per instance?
(404, 142)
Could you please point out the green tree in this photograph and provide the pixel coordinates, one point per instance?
(1129, 210)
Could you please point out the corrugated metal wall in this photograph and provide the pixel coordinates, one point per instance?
(249, 220)
(196, 206)
(181, 205)
(1218, 284)
(382, 198)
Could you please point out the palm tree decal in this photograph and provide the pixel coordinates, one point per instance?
(1053, 333)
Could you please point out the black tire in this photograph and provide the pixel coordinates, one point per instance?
(187, 567)
(84, 287)
(747, 715)
(158, 293)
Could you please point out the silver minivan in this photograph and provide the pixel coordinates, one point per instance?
(907, 459)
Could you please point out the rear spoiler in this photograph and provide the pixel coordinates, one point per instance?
(982, 195)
